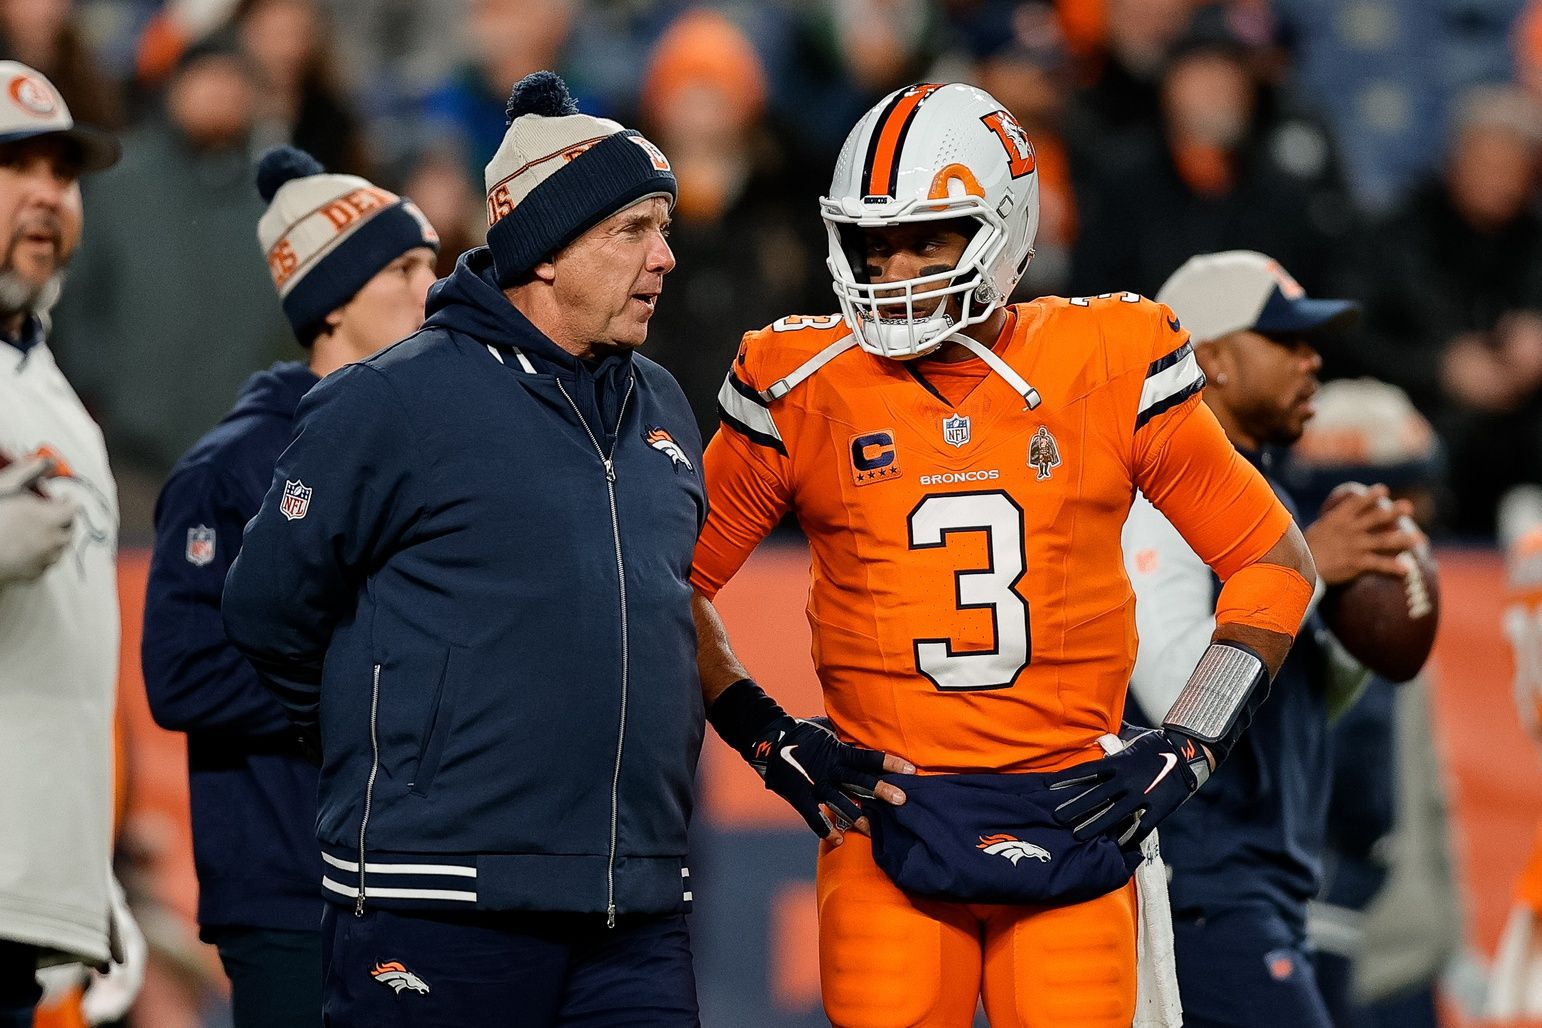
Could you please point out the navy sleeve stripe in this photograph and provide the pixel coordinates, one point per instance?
(743, 409)
(1170, 380)
(1165, 405)
(1161, 364)
(758, 438)
(745, 390)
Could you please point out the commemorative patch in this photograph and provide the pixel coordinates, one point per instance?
(1043, 453)
(200, 545)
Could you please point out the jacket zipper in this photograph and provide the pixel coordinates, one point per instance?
(369, 788)
(609, 464)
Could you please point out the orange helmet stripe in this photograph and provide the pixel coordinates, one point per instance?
(889, 136)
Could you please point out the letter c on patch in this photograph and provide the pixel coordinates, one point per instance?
(873, 451)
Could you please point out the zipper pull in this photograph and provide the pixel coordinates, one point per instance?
(610, 916)
(358, 905)
(610, 470)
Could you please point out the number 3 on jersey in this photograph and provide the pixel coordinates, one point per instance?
(993, 588)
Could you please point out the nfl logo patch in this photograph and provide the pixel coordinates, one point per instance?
(955, 430)
(297, 500)
(200, 545)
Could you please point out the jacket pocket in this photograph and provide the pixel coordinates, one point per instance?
(436, 729)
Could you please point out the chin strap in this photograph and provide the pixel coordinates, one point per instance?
(782, 386)
(1019, 384)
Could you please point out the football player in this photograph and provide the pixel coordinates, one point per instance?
(962, 467)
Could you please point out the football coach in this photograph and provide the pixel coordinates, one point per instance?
(470, 577)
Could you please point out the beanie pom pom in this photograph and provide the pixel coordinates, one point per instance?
(281, 164)
(541, 93)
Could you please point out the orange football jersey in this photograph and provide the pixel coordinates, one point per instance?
(969, 604)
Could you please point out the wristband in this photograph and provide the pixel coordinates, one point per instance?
(742, 713)
(1228, 685)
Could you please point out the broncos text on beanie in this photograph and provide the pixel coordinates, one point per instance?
(559, 173)
(326, 235)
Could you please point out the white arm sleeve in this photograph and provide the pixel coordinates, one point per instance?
(1174, 607)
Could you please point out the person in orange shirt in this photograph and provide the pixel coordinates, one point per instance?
(1515, 984)
(962, 468)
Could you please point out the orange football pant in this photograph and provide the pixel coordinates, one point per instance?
(888, 960)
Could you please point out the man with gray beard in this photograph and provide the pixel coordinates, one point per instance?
(59, 903)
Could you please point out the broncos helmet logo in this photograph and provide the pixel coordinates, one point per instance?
(1012, 848)
(398, 977)
(662, 441)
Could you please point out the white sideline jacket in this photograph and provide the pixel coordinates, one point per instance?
(58, 682)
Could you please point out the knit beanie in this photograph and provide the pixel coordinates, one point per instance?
(559, 173)
(326, 235)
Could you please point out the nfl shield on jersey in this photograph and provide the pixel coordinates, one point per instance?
(955, 430)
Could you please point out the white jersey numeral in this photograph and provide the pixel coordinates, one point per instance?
(798, 322)
(993, 588)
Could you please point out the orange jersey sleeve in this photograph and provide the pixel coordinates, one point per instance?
(745, 467)
(1216, 500)
(746, 502)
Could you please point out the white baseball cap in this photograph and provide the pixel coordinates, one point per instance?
(30, 106)
(1215, 294)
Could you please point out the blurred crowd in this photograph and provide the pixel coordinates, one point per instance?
(1380, 149)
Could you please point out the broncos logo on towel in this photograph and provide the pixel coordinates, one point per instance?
(1012, 848)
(398, 977)
(662, 441)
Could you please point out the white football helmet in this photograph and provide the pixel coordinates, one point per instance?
(931, 152)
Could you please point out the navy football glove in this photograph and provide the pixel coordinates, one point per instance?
(801, 761)
(1127, 794)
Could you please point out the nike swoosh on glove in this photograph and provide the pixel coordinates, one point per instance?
(801, 761)
(1127, 794)
(806, 765)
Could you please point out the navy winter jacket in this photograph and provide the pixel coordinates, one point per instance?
(1253, 836)
(472, 567)
(253, 796)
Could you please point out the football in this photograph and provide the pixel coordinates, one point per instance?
(1386, 623)
(35, 486)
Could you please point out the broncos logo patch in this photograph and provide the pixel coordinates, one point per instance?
(392, 973)
(662, 441)
(1012, 848)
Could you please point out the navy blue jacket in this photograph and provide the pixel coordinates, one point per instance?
(253, 796)
(494, 632)
(1254, 834)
